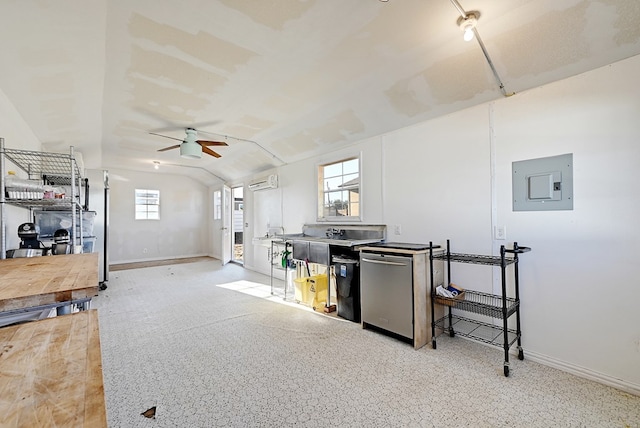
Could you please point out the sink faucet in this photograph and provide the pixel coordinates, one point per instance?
(332, 231)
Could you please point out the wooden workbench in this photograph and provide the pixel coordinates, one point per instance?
(37, 281)
(51, 373)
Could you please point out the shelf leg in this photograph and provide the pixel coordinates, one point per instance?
(432, 294)
(517, 287)
(505, 331)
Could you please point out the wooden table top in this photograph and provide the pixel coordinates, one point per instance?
(34, 281)
(51, 373)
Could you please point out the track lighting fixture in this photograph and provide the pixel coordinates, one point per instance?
(467, 24)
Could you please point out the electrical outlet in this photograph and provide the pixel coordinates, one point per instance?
(501, 233)
(397, 229)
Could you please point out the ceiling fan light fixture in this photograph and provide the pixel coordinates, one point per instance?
(190, 150)
(467, 24)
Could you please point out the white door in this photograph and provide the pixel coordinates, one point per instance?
(227, 217)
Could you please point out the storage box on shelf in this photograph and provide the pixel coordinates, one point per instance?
(49, 221)
(495, 306)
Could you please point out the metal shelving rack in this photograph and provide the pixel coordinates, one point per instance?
(59, 167)
(280, 248)
(495, 306)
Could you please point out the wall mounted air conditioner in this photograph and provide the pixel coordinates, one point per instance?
(268, 182)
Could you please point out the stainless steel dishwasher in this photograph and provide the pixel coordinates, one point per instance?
(386, 292)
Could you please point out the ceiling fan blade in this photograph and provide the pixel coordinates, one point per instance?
(165, 136)
(169, 148)
(211, 143)
(208, 151)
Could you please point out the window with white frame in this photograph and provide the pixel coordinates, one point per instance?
(147, 204)
(217, 205)
(339, 190)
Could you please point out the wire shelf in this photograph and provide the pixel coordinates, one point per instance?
(477, 330)
(480, 303)
(37, 164)
(475, 259)
(48, 204)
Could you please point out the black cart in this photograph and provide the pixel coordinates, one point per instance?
(494, 306)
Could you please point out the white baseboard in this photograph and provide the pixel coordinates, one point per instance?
(582, 372)
(156, 259)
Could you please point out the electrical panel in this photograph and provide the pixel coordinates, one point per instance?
(543, 184)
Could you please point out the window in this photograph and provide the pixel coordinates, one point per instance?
(339, 190)
(147, 204)
(217, 205)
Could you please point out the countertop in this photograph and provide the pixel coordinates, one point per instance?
(51, 373)
(34, 281)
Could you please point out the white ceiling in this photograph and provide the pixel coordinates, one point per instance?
(279, 80)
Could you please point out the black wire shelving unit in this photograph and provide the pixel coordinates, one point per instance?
(497, 307)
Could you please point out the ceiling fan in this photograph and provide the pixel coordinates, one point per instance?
(191, 147)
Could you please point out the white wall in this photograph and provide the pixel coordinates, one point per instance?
(450, 178)
(14, 130)
(182, 230)
(580, 282)
(437, 181)
(17, 135)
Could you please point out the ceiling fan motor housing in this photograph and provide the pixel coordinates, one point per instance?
(191, 147)
(191, 135)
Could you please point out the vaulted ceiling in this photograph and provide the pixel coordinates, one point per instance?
(279, 80)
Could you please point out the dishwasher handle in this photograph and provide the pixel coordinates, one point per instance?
(381, 262)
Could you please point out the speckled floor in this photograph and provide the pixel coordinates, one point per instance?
(206, 346)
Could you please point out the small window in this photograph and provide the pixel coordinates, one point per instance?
(217, 205)
(147, 204)
(339, 190)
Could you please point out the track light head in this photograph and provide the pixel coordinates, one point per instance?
(468, 23)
